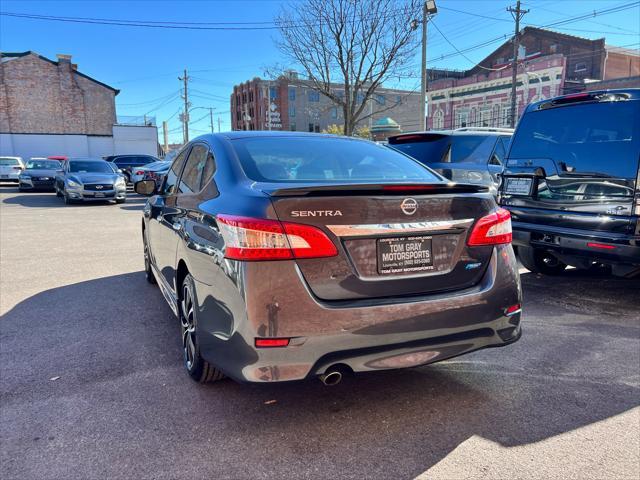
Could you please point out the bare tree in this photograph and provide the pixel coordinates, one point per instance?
(357, 44)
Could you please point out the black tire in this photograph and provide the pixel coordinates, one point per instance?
(58, 193)
(537, 260)
(120, 201)
(198, 368)
(148, 272)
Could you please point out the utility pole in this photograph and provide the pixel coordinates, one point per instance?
(218, 124)
(517, 14)
(429, 8)
(211, 118)
(165, 137)
(185, 118)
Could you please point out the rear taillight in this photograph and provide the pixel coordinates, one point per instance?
(492, 229)
(140, 172)
(260, 239)
(272, 342)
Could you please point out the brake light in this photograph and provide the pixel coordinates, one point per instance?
(260, 239)
(140, 172)
(493, 229)
(271, 342)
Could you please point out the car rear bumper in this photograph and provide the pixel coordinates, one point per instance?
(596, 246)
(362, 336)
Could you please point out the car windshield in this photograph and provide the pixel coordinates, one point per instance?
(594, 139)
(442, 148)
(89, 166)
(43, 165)
(5, 162)
(324, 159)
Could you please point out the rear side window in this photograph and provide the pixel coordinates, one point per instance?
(324, 159)
(208, 171)
(437, 148)
(7, 162)
(597, 138)
(190, 181)
(173, 174)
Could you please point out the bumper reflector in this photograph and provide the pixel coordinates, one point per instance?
(513, 309)
(601, 246)
(271, 342)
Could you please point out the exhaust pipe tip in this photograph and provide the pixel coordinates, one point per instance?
(331, 378)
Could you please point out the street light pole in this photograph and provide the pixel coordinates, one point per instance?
(429, 8)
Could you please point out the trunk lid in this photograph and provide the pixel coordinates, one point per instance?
(393, 240)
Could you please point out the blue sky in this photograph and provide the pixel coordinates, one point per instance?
(144, 63)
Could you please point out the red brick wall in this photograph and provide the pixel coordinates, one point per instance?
(38, 96)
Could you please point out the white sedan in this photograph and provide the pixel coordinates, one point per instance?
(11, 168)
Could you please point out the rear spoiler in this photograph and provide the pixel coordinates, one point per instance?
(374, 189)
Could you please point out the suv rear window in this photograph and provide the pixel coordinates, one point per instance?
(440, 148)
(596, 138)
(324, 159)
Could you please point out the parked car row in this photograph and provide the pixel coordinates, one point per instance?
(81, 179)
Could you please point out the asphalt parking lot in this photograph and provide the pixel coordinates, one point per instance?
(92, 384)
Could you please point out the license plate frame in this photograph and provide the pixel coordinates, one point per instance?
(404, 255)
(99, 195)
(519, 186)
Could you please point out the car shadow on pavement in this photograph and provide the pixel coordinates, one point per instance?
(93, 386)
(49, 200)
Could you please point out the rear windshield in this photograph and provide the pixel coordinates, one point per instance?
(43, 165)
(323, 159)
(435, 148)
(81, 166)
(596, 138)
(8, 161)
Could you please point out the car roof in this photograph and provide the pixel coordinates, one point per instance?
(633, 93)
(87, 159)
(11, 158)
(234, 135)
(461, 132)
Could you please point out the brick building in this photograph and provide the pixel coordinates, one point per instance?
(291, 104)
(549, 64)
(39, 95)
(50, 108)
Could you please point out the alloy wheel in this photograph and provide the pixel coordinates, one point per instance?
(188, 325)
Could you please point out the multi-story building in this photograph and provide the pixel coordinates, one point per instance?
(289, 103)
(50, 108)
(549, 64)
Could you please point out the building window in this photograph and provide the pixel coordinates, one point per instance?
(238, 116)
(292, 111)
(292, 126)
(472, 117)
(462, 118)
(380, 100)
(360, 97)
(311, 127)
(244, 97)
(506, 115)
(334, 113)
(273, 93)
(292, 94)
(485, 117)
(317, 128)
(438, 120)
(250, 96)
(495, 116)
(553, 48)
(313, 97)
(581, 67)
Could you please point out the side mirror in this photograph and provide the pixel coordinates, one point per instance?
(145, 187)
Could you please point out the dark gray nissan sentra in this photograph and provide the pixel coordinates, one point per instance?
(288, 256)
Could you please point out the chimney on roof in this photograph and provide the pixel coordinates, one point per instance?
(63, 58)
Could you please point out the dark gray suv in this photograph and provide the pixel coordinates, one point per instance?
(288, 256)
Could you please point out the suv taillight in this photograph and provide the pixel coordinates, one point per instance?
(257, 239)
(492, 229)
